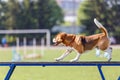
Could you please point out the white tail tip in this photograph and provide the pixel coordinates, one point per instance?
(97, 23)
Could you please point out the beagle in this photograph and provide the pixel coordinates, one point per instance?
(82, 43)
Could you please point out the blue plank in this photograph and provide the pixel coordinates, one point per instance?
(87, 63)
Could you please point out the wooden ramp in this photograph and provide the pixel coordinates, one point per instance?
(99, 65)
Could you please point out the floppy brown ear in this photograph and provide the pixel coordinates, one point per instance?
(63, 35)
(60, 40)
(69, 37)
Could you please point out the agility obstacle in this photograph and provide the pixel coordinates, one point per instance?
(99, 65)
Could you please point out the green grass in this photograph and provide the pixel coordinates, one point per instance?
(60, 73)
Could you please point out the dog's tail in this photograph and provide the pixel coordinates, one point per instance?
(101, 27)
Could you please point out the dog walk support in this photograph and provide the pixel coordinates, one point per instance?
(119, 78)
(100, 71)
(12, 67)
(99, 65)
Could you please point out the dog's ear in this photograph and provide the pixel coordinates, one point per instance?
(70, 37)
(61, 36)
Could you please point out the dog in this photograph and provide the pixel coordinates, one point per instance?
(82, 43)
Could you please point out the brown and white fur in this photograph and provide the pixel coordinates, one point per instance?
(84, 43)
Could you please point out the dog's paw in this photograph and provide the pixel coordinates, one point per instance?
(57, 59)
(109, 59)
(73, 60)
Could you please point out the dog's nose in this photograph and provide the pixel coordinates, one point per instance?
(54, 40)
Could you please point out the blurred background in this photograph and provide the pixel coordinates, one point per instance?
(71, 16)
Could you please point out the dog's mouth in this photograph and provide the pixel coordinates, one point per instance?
(55, 42)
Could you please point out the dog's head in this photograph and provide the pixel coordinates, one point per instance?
(59, 38)
(64, 38)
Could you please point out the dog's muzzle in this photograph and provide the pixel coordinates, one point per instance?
(55, 42)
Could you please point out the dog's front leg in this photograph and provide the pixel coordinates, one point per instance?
(76, 58)
(64, 54)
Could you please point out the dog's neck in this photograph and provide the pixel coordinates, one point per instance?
(68, 42)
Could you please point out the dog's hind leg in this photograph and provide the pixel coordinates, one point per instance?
(97, 52)
(76, 58)
(64, 54)
(108, 53)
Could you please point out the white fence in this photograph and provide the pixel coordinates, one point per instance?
(48, 36)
